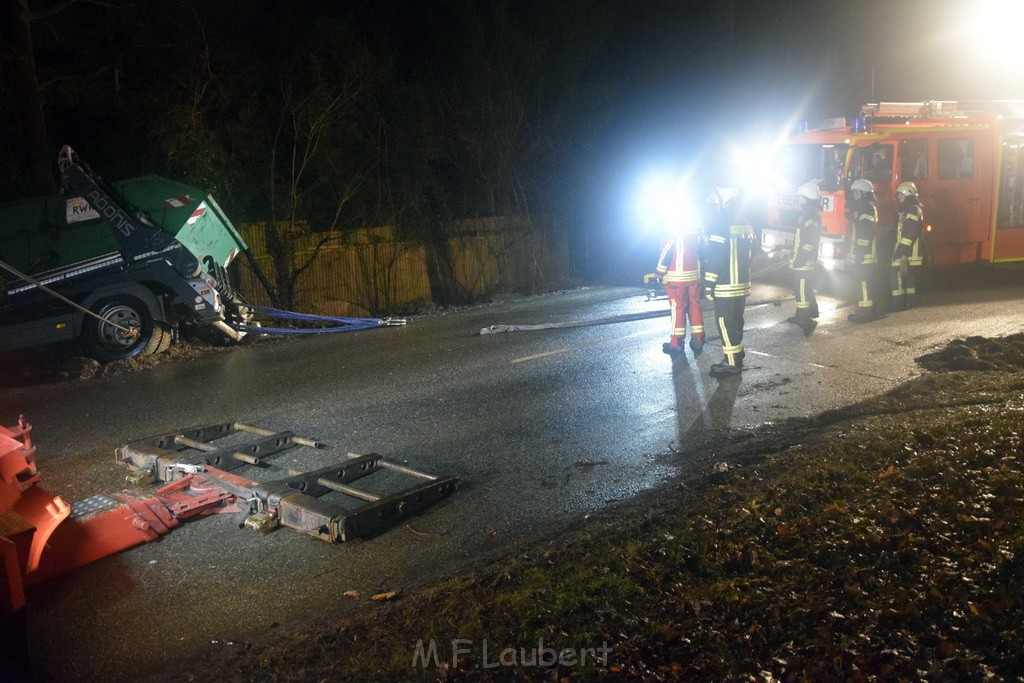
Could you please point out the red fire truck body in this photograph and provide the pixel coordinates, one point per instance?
(966, 158)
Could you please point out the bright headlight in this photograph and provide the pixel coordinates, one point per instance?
(663, 205)
(828, 250)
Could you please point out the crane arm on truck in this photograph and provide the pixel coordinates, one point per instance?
(138, 238)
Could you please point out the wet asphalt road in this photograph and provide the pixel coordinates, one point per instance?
(517, 416)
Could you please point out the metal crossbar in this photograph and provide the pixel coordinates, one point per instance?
(294, 500)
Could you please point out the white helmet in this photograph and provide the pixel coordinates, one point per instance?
(862, 185)
(723, 195)
(809, 190)
(907, 189)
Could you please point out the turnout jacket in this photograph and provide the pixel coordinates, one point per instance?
(863, 248)
(680, 258)
(729, 251)
(908, 232)
(808, 236)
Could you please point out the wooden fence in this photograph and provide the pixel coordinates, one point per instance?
(371, 271)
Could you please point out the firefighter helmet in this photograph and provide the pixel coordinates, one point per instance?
(907, 189)
(862, 185)
(809, 191)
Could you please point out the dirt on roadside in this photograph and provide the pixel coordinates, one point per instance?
(65, 365)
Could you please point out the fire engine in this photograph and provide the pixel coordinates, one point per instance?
(966, 158)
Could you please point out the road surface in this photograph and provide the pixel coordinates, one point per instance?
(542, 427)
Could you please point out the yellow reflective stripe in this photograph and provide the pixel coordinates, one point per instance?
(664, 252)
(717, 238)
(696, 329)
(743, 290)
(711, 277)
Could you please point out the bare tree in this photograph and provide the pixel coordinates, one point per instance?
(20, 71)
(304, 174)
(20, 65)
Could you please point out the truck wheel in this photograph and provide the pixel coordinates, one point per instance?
(106, 343)
(163, 336)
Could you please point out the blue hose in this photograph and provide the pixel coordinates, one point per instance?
(343, 324)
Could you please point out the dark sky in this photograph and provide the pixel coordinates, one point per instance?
(826, 57)
(692, 75)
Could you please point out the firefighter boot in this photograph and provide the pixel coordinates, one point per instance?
(723, 369)
(672, 350)
(696, 345)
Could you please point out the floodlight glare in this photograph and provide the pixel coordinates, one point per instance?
(663, 204)
(993, 27)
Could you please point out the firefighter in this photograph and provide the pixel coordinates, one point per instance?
(862, 252)
(805, 255)
(906, 257)
(679, 269)
(727, 275)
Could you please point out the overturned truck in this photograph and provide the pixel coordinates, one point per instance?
(119, 267)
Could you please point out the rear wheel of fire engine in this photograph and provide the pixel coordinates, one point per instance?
(107, 339)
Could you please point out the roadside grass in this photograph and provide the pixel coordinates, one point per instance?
(884, 541)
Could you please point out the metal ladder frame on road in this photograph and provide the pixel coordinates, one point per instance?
(293, 501)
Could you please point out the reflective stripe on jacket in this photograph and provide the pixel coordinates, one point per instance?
(863, 248)
(908, 233)
(728, 260)
(680, 258)
(808, 237)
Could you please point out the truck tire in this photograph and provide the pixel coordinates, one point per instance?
(164, 337)
(106, 343)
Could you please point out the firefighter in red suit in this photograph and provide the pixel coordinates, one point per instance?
(679, 269)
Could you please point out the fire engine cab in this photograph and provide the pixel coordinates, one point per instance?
(966, 158)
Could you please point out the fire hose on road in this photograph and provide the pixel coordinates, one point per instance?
(627, 317)
(339, 324)
(497, 329)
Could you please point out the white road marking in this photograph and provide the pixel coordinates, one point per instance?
(555, 352)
